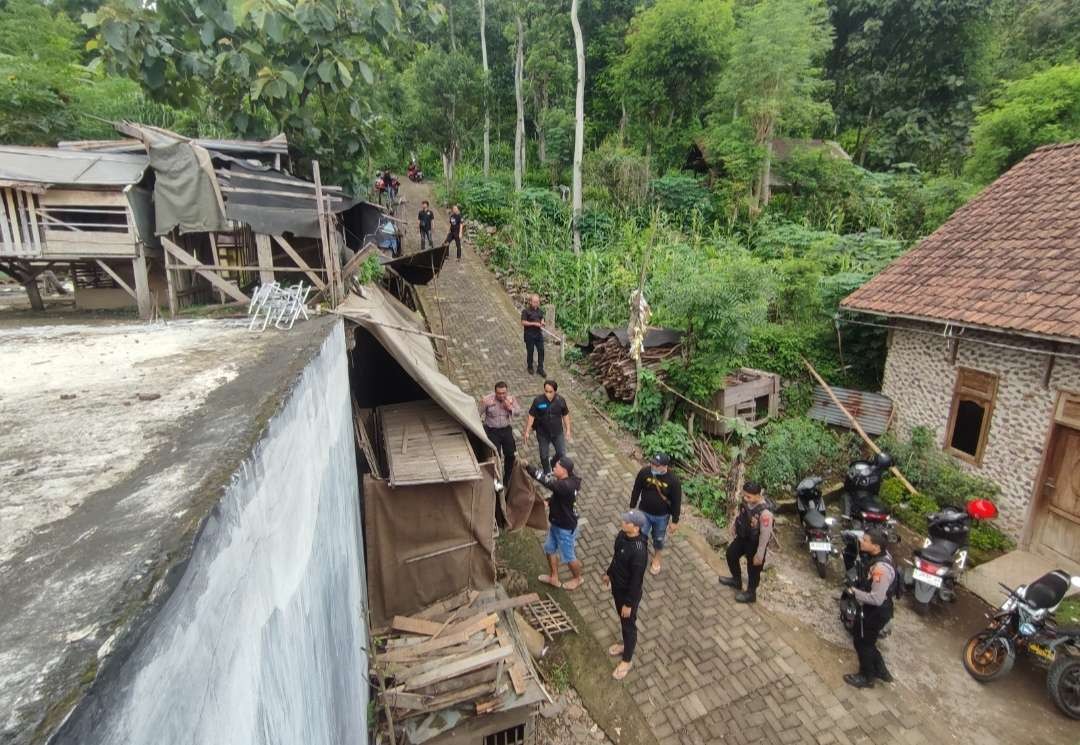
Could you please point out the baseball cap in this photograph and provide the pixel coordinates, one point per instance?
(566, 463)
(661, 459)
(637, 517)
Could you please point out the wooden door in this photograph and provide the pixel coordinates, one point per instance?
(1059, 523)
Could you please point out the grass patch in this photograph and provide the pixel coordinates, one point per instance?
(1068, 613)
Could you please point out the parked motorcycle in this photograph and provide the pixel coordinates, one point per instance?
(937, 567)
(862, 484)
(415, 174)
(1024, 622)
(816, 526)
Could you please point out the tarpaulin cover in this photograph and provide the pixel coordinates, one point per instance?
(654, 337)
(384, 318)
(285, 205)
(421, 267)
(524, 505)
(427, 541)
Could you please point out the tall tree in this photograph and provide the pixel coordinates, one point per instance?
(1035, 34)
(549, 73)
(487, 86)
(906, 77)
(579, 123)
(519, 102)
(772, 80)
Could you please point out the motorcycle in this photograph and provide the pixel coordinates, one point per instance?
(1024, 622)
(816, 526)
(937, 567)
(386, 190)
(862, 483)
(415, 174)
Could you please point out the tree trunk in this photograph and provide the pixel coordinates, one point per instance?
(487, 112)
(622, 123)
(579, 122)
(541, 111)
(519, 101)
(766, 175)
(450, 24)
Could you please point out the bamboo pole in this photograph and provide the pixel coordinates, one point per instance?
(855, 424)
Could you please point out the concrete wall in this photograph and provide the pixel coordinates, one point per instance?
(262, 640)
(920, 379)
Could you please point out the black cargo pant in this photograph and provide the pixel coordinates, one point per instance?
(503, 440)
(451, 238)
(534, 343)
(425, 239)
(736, 550)
(867, 630)
(629, 625)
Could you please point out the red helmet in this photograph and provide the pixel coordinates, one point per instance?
(982, 509)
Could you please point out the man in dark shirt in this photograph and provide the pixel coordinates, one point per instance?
(625, 576)
(455, 229)
(562, 522)
(532, 321)
(657, 493)
(426, 218)
(550, 416)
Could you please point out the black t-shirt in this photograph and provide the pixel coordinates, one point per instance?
(532, 332)
(455, 225)
(627, 568)
(426, 218)
(548, 414)
(562, 507)
(657, 495)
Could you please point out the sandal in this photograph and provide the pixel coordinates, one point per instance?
(615, 650)
(572, 584)
(547, 580)
(622, 670)
(654, 569)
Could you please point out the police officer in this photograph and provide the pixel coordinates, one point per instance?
(753, 529)
(874, 591)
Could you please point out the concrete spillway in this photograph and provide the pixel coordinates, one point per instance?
(260, 636)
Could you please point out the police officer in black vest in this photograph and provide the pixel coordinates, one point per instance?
(753, 529)
(874, 590)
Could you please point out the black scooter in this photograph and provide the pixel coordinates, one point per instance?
(863, 510)
(816, 526)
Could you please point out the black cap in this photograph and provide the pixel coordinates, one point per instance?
(751, 487)
(661, 459)
(566, 463)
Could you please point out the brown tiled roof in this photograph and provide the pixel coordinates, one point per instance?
(1009, 259)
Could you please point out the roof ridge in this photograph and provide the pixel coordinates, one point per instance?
(1057, 146)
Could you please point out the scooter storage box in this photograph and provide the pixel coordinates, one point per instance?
(950, 525)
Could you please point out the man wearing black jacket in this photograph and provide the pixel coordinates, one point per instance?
(625, 576)
(658, 493)
(562, 522)
(426, 219)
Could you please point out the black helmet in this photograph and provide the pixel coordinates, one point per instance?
(883, 461)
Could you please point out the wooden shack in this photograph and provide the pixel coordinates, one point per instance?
(748, 394)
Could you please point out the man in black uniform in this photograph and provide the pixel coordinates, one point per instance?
(532, 321)
(625, 576)
(455, 229)
(753, 529)
(658, 493)
(562, 522)
(874, 591)
(426, 218)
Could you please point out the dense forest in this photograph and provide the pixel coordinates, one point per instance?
(752, 161)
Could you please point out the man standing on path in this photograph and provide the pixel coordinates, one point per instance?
(455, 229)
(497, 411)
(562, 522)
(550, 416)
(874, 591)
(658, 494)
(426, 219)
(753, 529)
(625, 576)
(532, 321)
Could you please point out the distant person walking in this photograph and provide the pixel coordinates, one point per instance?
(532, 322)
(497, 411)
(625, 576)
(657, 493)
(455, 229)
(426, 220)
(550, 417)
(562, 535)
(753, 529)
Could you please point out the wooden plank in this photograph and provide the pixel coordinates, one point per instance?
(462, 682)
(402, 654)
(5, 231)
(508, 603)
(94, 237)
(401, 700)
(474, 624)
(13, 215)
(517, 671)
(32, 215)
(117, 279)
(415, 625)
(459, 667)
(227, 287)
(273, 193)
(266, 258)
(142, 286)
(292, 253)
(448, 605)
(407, 669)
(83, 198)
(272, 180)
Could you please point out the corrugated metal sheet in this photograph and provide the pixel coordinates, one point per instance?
(872, 410)
(47, 165)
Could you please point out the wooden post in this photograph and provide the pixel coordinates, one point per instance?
(266, 258)
(217, 260)
(332, 294)
(855, 424)
(174, 301)
(142, 283)
(33, 293)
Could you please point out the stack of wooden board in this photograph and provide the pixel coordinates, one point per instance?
(425, 445)
(464, 653)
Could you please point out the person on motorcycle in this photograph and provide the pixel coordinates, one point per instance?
(753, 529)
(391, 188)
(874, 592)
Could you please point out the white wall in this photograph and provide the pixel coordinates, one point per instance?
(263, 639)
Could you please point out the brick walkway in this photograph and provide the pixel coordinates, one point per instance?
(697, 675)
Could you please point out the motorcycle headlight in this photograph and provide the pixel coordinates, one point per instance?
(1027, 629)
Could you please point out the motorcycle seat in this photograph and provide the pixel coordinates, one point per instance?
(872, 506)
(814, 519)
(938, 552)
(1048, 590)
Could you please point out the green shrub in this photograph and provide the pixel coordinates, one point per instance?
(709, 495)
(985, 537)
(650, 403)
(485, 200)
(682, 196)
(670, 438)
(792, 449)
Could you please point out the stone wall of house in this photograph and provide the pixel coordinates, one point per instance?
(919, 378)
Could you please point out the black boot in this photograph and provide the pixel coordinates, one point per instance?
(858, 680)
(884, 675)
(750, 596)
(731, 582)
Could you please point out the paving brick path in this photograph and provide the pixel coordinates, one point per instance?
(706, 670)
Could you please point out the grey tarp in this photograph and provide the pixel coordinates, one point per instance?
(654, 337)
(284, 205)
(384, 317)
(23, 167)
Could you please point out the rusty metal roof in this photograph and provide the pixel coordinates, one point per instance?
(872, 410)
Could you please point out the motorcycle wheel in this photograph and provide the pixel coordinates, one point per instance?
(921, 609)
(822, 566)
(1063, 684)
(991, 662)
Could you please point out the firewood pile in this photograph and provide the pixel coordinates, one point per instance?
(468, 653)
(706, 461)
(613, 365)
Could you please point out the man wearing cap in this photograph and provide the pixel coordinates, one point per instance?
(625, 576)
(562, 521)
(753, 529)
(657, 493)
